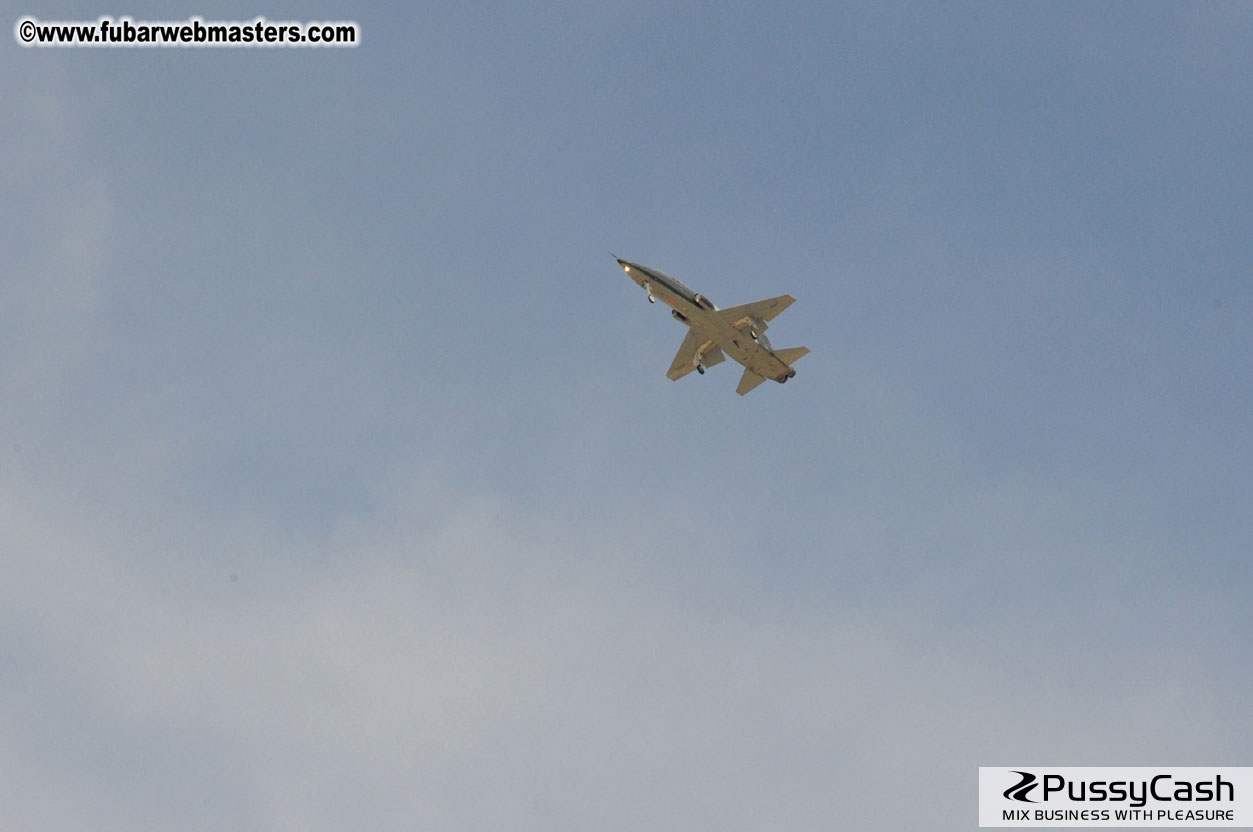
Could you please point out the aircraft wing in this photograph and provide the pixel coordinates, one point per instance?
(693, 346)
(763, 310)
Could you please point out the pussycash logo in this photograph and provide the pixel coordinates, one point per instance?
(1162, 788)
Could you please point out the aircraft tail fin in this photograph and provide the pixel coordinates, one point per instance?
(792, 355)
(749, 381)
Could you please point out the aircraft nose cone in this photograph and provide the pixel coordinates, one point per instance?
(636, 273)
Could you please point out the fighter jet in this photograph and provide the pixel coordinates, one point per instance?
(714, 333)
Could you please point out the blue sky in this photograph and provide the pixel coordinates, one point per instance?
(341, 482)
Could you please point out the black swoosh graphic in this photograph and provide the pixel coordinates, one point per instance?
(1019, 790)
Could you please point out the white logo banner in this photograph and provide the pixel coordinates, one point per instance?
(1116, 796)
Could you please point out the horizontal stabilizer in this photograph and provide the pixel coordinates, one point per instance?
(749, 381)
(792, 355)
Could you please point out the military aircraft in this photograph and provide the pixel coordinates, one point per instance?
(714, 333)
